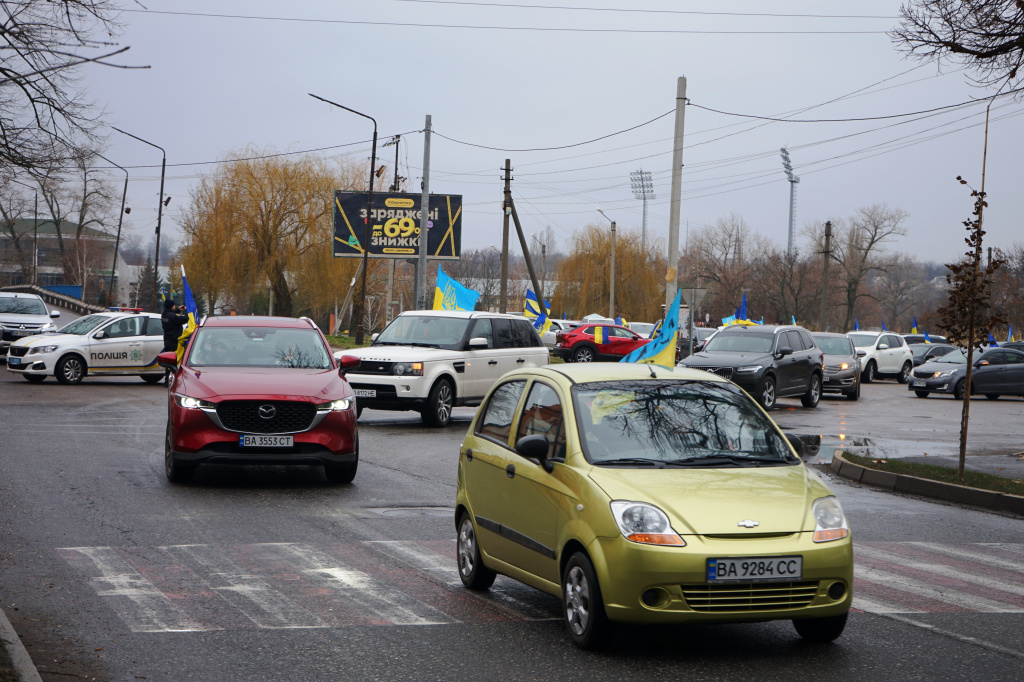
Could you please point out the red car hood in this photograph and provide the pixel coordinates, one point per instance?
(277, 383)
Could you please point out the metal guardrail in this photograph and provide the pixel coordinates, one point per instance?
(53, 298)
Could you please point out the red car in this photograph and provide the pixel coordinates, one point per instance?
(260, 390)
(593, 342)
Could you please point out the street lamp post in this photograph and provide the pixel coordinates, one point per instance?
(159, 212)
(120, 220)
(611, 286)
(643, 189)
(369, 210)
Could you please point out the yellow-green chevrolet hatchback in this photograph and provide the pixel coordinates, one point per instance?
(641, 494)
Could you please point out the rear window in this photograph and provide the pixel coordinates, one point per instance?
(832, 345)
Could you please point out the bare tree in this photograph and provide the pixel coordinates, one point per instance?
(899, 287)
(725, 257)
(18, 253)
(791, 285)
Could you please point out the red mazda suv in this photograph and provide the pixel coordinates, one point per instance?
(260, 390)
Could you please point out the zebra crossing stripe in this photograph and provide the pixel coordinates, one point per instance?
(945, 595)
(973, 555)
(941, 569)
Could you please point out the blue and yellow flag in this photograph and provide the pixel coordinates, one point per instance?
(743, 308)
(856, 325)
(927, 339)
(1009, 333)
(913, 330)
(728, 320)
(883, 326)
(192, 310)
(600, 335)
(450, 295)
(531, 310)
(992, 341)
(662, 348)
(792, 319)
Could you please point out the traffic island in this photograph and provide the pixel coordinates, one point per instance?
(869, 472)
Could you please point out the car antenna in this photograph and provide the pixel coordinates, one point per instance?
(653, 375)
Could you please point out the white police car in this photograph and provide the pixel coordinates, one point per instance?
(104, 344)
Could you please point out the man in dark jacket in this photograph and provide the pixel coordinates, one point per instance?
(174, 324)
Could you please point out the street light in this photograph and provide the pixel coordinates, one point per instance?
(369, 210)
(120, 219)
(643, 188)
(787, 167)
(35, 231)
(611, 287)
(159, 211)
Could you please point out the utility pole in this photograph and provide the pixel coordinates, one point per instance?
(824, 276)
(391, 265)
(793, 180)
(611, 287)
(526, 254)
(675, 203)
(506, 210)
(421, 262)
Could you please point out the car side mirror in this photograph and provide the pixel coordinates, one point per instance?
(883, 346)
(478, 343)
(346, 362)
(861, 353)
(784, 351)
(373, 337)
(980, 363)
(99, 335)
(168, 360)
(796, 441)
(54, 314)
(535, 447)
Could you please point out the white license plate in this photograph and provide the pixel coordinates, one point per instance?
(755, 569)
(365, 393)
(13, 362)
(917, 383)
(266, 441)
(22, 332)
(824, 380)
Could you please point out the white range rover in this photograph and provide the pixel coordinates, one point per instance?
(433, 360)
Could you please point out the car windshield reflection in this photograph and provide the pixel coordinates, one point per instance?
(258, 347)
(424, 330)
(744, 342)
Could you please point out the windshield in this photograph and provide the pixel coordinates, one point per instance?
(740, 342)
(674, 423)
(424, 330)
(957, 357)
(834, 345)
(22, 306)
(259, 347)
(863, 340)
(84, 325)
(642, 328)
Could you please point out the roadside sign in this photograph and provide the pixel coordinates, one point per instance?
(394, 226)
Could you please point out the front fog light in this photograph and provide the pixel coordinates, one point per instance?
(829, 520)
(644, 523)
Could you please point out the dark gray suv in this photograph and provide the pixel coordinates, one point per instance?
(767, 362)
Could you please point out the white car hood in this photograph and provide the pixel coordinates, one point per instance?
(49, 339)
(404, 354)
(22, 318)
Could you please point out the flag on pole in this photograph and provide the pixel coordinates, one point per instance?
(531, 310)
(883, 326)
(856, 325)
(662, 348)
(450, 295)
(192, 310)
(728, 320)
(1009, 333)
(992, 341)
(743, 308)
(913, 330)
(792, 319)
(927, 339)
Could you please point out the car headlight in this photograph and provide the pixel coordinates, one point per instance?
(191, 403)
(48, 326)
(845, 365)
(644, 523)
(411, 368)
(336, 405)
(42, 349)
(829, 520)
(749, 369)
(946, 373)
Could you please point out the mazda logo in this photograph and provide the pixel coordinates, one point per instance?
(267, 411)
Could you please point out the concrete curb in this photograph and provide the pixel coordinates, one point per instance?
(950, 492)
(20, 659)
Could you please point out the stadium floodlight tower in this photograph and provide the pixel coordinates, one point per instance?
(643, 188)
(793, 180)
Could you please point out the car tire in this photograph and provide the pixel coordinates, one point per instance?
(921, 394)
(472, 571)
(70, 370)
(584, 354)
(855, 393)
(820, 630)
(440, 400)
(359, 410)
(813, 395)
(585, 617)
(993, 396)
(343, 473)
(904, 376)
(176, 471)
(152, 378)
(870, 372)
(959, 389)
(766, 393)
(34, 378)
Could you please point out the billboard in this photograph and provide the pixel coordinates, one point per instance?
(394, 226)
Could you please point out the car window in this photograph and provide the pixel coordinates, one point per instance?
(504, 336)
(482, 329)
(129, 326)
(863, 340)
(542, 415)
(83, 325)
(16, 305)
(1013, 357)
(259, 347)
(524, 335)
(835, 345)
(154, 326)
(585, 330)
(806, 338)
(496, 422)
(895, 341)
(995, 357)
(740, 342)
(424, 330)
(621, 333)
(795, 342)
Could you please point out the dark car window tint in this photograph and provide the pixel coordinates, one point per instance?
(483, 329)
(154, 326)
(1013, 357)
(740, 342)
(504, 336)
(995, 358)
(808, 341)
(835, 345)
(794, 342)
(524, 334)
(496, 421)
(542, 415)
(129, 326)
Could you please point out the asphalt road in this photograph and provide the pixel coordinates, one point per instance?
(266, 573)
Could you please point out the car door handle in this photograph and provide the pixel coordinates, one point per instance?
(469, 455)
(492, 362)
(510, 471)
(521, 360)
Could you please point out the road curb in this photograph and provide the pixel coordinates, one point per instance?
(20, 659)
(950, 492)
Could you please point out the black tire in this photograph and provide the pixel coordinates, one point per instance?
(152, 378)
(70, 370)
(34, 378)
(855, 393)
(904, 376)
(359, 410)
(993, 396)
(921, 394)
(813, 395)
(584, 354)
(177, 472)
(438, 411)
(343, 473)
(585, 617)
(766, 393)
(958, 390)
(820, 630)
(472, 571)
(870, 372)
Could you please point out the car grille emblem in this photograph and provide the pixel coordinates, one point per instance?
(747, 523)
(267, 411)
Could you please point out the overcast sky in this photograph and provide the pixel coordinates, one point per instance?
(525, 76)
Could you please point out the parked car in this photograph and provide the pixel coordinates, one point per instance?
(919, 338)
(637, 494)
(1015, 345)
(259, 390)
(882, 354)
(433, 360)
(769, 362)
(644, 329)
(842, 373)
(997, 372)
(23, 315)
(597, 342)
(549, 337)
(926, 352)
(701, 336)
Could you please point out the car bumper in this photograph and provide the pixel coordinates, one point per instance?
(389, 392)
(564, 353)
(940, 385)
(41, 364)
(839, 382)
(678, 575)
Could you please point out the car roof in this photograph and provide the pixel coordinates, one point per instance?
(18, 294)
(829, 335)
(459, 314)
(769, 328)
(861, 331)
(257, 321)
(115, 314)
(615, 371)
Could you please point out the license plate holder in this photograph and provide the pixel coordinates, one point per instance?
(13, 362)
(755, 569)
(365, 392)
(918, 384)
(22, 332)
(257, 441)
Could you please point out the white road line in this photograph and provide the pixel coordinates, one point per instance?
(144, 608)
(934, 592)
(1005, 546)
(942, 569)
(263, 605)
(872, 606)
(1016, 566)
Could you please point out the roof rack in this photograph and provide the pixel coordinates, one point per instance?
(311, 322)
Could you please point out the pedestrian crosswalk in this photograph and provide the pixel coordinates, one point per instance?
(203, 587)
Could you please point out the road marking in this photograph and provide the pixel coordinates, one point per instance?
(988, 559)
(941, 569)
(872, 606)
(920, 588)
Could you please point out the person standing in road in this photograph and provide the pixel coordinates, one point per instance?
(174, 325)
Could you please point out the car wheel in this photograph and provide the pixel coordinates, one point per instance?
(921, 394)
(70, 370)
(359, 410)
(904, 376)
(472, 571)
(152, 378)
(34, 378)
(583, 354)
(177, 472)
(959, 389)
(438, 411)
(585, 619)
(766, 396)
(855, 393)
(992, 396)
(820, 630)
(813, 395)
(870, 373)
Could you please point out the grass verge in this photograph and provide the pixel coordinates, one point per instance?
(972, 479)
(343, 342)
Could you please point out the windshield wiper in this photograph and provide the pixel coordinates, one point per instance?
(657, 463)
(737, 460)
(424, 345)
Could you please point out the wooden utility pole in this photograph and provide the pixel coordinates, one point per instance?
(506, 211)
(824, 276)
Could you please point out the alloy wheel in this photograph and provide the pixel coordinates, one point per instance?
(577, 600)
(467, 548)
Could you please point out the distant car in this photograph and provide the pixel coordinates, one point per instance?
(882, 354)
(701, 336)
(842, 373)
(644, 329)
(583, 345)
(926, 352)
(23, 315)
(1015, 345)
(920, 338)
(549, 337)
(997, 372)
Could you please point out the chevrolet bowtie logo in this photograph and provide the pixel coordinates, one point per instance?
(747, 523)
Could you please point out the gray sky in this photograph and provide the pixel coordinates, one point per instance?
(220, 84)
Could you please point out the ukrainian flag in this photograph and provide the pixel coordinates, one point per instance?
(600, 335)
(532, 311)
(662, 348)
(1009, 333)
(193, 315)
(927, 339)
(856, 325)
(992, 341)
(450, 295)
(913, 330)
(883, 326)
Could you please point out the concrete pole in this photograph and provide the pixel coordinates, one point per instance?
(677, 191)
(421, 261)
(611, 286)
(506, 210)
(824, 277)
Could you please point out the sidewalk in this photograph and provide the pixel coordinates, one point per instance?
(15, 663)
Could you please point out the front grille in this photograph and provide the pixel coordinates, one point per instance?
(18, 351)
(374, 367)
(243, 416)
(725, 372)
(722, 598)
(923, 375)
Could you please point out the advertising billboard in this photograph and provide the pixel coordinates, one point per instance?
(392, 228)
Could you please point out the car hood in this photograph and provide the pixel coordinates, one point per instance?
(404, 354)
(48, 339)
(270, 383)
(939, 367)
(20, 318)
(705, 359)
(715, 501)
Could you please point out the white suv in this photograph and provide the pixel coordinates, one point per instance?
(882, 354)
(433, 360)
(23, 315)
